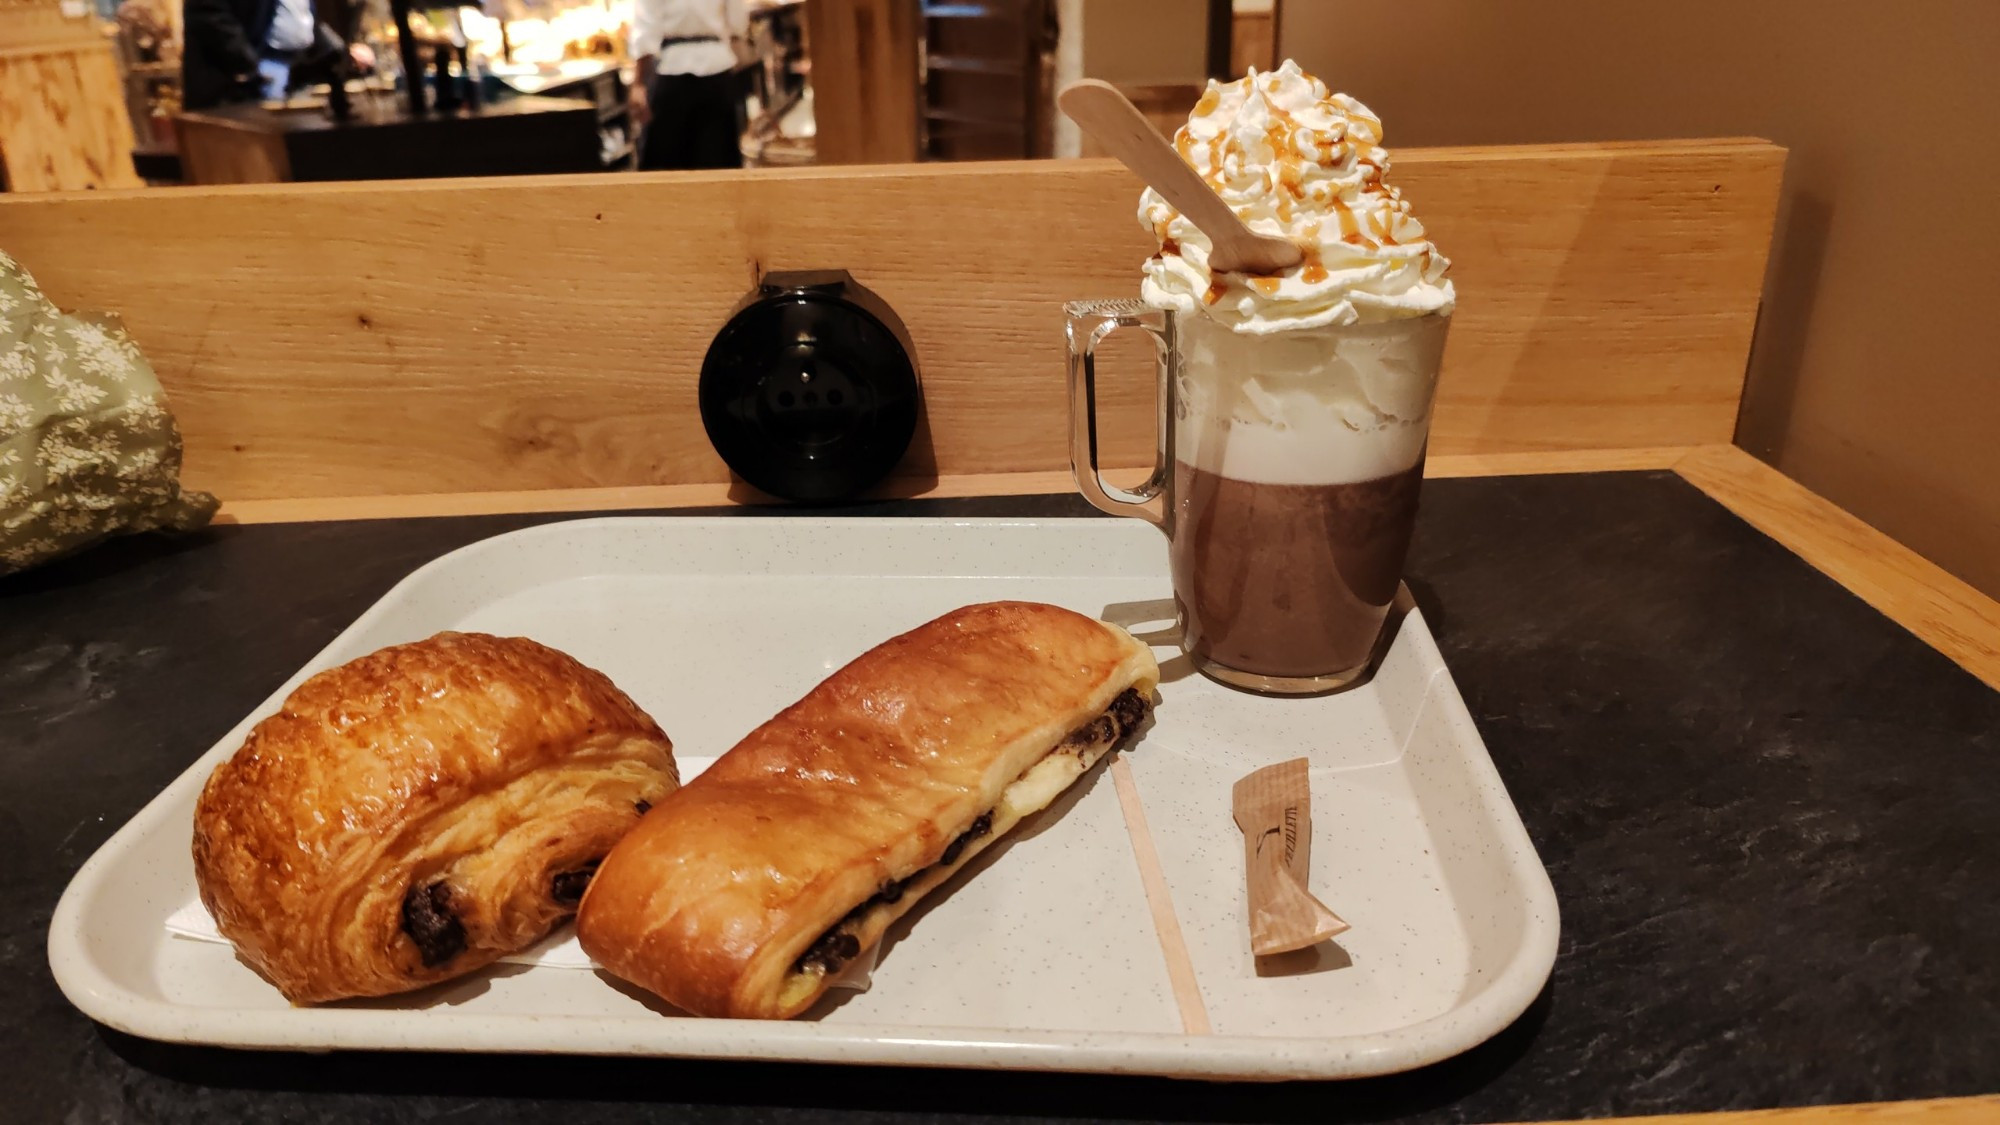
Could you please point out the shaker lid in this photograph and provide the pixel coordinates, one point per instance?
(810, 391)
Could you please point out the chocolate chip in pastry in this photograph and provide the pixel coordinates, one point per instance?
(747, 892)
(420, 812)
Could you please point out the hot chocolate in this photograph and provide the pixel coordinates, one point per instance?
(1287, 580)
(1297, 461)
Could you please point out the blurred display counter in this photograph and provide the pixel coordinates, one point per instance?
(383, 141)
(601, 82)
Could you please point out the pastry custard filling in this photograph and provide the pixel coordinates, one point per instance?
(1033, 791)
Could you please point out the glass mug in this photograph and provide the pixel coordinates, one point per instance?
(1285, 479)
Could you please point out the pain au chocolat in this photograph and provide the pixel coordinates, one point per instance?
(745, 893)
(420, 812)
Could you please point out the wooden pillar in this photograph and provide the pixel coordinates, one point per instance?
(1221, 17)
(864, 76)
(63, 124)
(1254, 39)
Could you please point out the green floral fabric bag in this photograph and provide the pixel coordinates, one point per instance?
(87, 448)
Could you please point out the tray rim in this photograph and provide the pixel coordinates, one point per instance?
(1167, 1054)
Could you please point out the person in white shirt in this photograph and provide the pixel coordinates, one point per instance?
(687, 97)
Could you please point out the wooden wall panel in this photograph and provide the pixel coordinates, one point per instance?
(63, 124)
(217, 151)
(1253, 41)
(366, 339)
(864, 60)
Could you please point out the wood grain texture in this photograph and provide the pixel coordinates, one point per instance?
(1253, 41)
(656, 496)
(1948, 614)
(1119, 127)
(63, 124)
(1982, 1110)
(518, 334)
(215, 151)
(32, 27)
(864, 59)
(1165, 108)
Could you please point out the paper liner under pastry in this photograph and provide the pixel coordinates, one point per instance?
(557, 951)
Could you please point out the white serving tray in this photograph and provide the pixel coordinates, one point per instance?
(1043, 954)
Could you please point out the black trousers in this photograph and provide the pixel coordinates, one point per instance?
(696, 122)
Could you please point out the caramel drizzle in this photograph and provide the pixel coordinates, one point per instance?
(1354, 138)
(1312, 269)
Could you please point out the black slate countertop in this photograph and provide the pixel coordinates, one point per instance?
(1772, 817)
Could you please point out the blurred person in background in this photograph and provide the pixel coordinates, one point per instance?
(687, 97)
(246, 50)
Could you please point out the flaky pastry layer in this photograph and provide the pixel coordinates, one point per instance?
(420, 812)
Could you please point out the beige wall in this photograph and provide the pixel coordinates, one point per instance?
(1875, 378)
(1145, 42)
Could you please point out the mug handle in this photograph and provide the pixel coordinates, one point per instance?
(1089, 322)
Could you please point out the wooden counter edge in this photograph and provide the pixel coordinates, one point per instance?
(649, 496)
(1942, 610)
(1563, 151)
(1930, 1111)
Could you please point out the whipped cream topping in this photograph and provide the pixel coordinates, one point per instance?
(1293, 159)
(1305, 408)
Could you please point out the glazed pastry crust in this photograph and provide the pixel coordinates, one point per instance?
(471, 768)
(718, 893)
